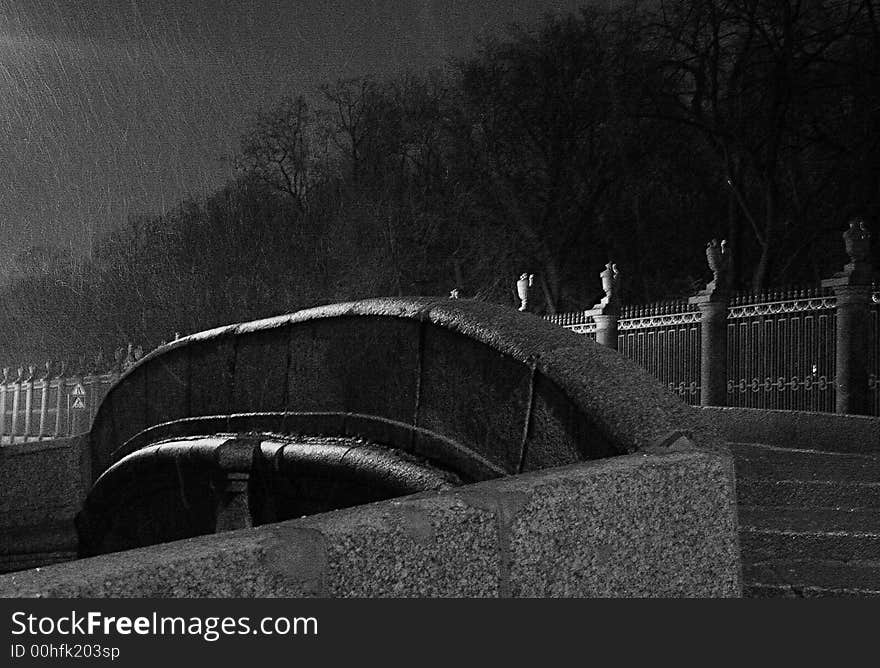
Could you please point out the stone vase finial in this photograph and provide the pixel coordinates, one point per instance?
(522, 289)
(857, 240)
(857, 243)
(610, 280)
(718, 258)
(610, 302)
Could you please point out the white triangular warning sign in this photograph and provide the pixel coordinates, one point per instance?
(79, 390)
(79, 403)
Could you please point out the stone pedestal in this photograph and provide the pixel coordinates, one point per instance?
(606, 327)
(851, 345)
(234, 510)
(607, 311)
(235, 458)
(713, 346)
(852, 288)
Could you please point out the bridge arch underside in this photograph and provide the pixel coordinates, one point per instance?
(469, 389)
(197, 485)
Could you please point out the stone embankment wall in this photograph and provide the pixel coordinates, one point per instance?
(798, 429)
(635, 525)
(481, 390)
(43, 486)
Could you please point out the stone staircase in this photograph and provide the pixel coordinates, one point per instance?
(809, 520)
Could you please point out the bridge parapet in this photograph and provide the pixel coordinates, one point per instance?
(507, 387)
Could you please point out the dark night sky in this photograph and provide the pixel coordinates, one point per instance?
(113, 108)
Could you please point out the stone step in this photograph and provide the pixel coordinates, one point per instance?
(808, 493)
(808, 534)
(756, 590)
(828, 576)
(764, 462)
(19, 562)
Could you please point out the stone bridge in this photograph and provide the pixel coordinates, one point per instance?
(263, 422)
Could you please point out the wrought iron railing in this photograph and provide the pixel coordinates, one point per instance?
(781, 350)
(663, 338)
(33, 409)
(57, 400)
(780, 347)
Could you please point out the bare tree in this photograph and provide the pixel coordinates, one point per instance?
(547, 137)
(760, 80)
(279, 149)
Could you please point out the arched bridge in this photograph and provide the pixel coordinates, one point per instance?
(355, 402)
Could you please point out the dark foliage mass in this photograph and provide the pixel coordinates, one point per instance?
(634, 135)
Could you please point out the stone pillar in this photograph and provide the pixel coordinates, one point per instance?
(234, 511)
(713, 348)
(235, 458)
(852, 288)
(712, 302)
(606, 329)
(606, 312)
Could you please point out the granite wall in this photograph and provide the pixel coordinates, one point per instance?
(43, 486)
(801, 429)
(658, 525)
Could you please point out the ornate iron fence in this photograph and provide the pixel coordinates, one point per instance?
(54, 402)
(781, 350)
(32, 408)
(663, 338)
(780, 347)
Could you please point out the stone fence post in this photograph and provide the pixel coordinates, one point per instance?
(712, 302)
(607, 311)
(852, 288)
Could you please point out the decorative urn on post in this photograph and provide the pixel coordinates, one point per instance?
(610, 277)
(718, 259)
(857, 240)
(522, 289)
(719, 263)
(606, 311)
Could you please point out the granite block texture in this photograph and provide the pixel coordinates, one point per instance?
(212, 372)
(128, 404)
(830, 432)
(42, 481)
(637, 525)
(474, 395)
(167, 387)
(43, 487)
(654, 527)
(261, 364)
